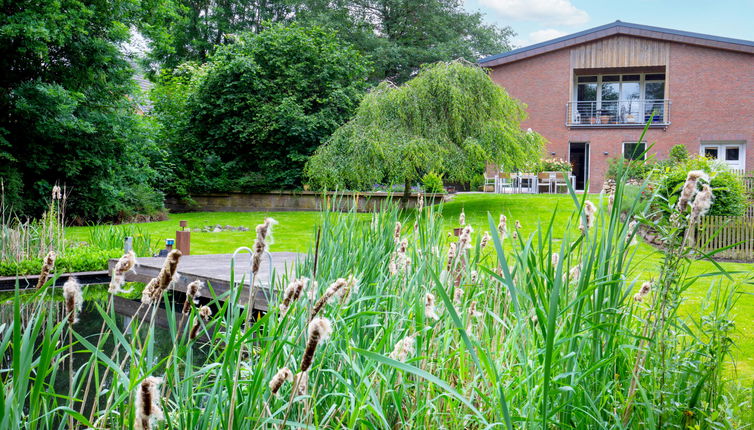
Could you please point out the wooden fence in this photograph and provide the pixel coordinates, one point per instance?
(715, 232)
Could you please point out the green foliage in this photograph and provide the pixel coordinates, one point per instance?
(679, 153)
(554, 165)
(451, 118)
(66, 115)
(634, 170)
(112, 237)
(729, 194)
(476, 182)
(432, 183)
(399, 36)
(439, 30)
(252, 116)
(77, 259)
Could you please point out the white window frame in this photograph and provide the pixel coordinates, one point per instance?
(721, 146)
(623, 150)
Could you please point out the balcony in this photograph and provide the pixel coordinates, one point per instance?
(618, 113)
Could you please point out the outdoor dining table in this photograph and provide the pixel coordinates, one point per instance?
(524, 183)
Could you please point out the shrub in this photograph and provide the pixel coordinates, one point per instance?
(476, 182)
(729, 195)
(638, 170)
(679, 153)
(432, 183)
(554, 165)
(77, 259)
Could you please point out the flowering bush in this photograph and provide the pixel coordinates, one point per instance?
(555, 165)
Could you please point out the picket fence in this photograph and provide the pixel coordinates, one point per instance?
(716, 232)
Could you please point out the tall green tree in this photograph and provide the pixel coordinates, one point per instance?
(451, 118)
(251, 117)
(401, 35)
(66, 112)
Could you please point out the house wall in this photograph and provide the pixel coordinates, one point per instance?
(711, 93)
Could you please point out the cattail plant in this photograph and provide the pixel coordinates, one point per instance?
(277, 381)
(262, 243)
(301, 383)
(457, 296)
(147, 403)
(473, 312)
(643, 291)
(47, 267)
(451, 256)
(124, 264)
(462, 218)
(397, 232)
(73, 299)
(340, 288)
(319, 331)
(555, 259)
(429, 307)
(502, 227)
(193, 290)
(689, 188)
(702, 203)
(292, 293)
(404, 348)
(590, 213)
(420, 202)
(153, 291)
(204, 313)
(485, 240)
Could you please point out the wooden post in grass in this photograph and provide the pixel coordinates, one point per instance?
(183, 239)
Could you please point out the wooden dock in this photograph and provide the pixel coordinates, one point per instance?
(214, 269)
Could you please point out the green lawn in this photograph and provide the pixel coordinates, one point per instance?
(296, 231)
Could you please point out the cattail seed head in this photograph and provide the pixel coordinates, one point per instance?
(420, 202)
(148, 292)
(404, 348)
(284, 374)
(147, 404)
(205, 312)
(555, 259)
(474, 276)
(518, 225)
(458, 296)
(73, 299)
(485, 240)
(702, 203)
(397, 232)
(590, 212)
(56, 193)
(473, 312)
(429, 307)
(575, 272)
(193, 290)
(262, 243)
(502, 226)
(292, 293)
(47, 266)
(645, 289)
(689, 188)
(301, 383)
(166, 276)
(451, 255)
(319, 331)
(124, 264)
(462, 218)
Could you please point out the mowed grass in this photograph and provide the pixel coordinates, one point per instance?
(295, 233)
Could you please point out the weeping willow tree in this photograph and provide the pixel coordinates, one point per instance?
(451, 119)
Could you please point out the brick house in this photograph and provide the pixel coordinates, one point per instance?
(591, 93)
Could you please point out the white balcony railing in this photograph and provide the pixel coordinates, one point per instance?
(617, 113)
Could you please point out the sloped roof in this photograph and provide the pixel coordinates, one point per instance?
(616, 28)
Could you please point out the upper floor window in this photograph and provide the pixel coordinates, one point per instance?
(619, 99)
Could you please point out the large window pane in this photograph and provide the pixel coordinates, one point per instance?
(633, 150)
(654, 90)
(586, 106)
(609, 106)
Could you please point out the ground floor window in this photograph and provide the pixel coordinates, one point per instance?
(733, 153)
(634, 150)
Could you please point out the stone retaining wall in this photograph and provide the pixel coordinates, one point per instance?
(291, 201)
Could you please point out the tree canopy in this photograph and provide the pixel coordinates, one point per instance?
(396, 35)
(250, 118)
(66, 116)
(451, 118)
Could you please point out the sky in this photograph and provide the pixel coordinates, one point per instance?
(539, 20)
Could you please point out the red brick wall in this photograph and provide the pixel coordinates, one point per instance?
(711, 93)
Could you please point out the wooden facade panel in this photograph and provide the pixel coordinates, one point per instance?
(620, 51)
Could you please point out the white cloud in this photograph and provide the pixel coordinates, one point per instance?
(545, 11)
(546, 34)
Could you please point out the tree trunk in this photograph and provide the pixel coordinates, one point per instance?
(406, 194)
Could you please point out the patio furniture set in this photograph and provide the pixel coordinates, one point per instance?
(521, 183)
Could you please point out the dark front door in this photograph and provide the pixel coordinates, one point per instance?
(579, 157)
